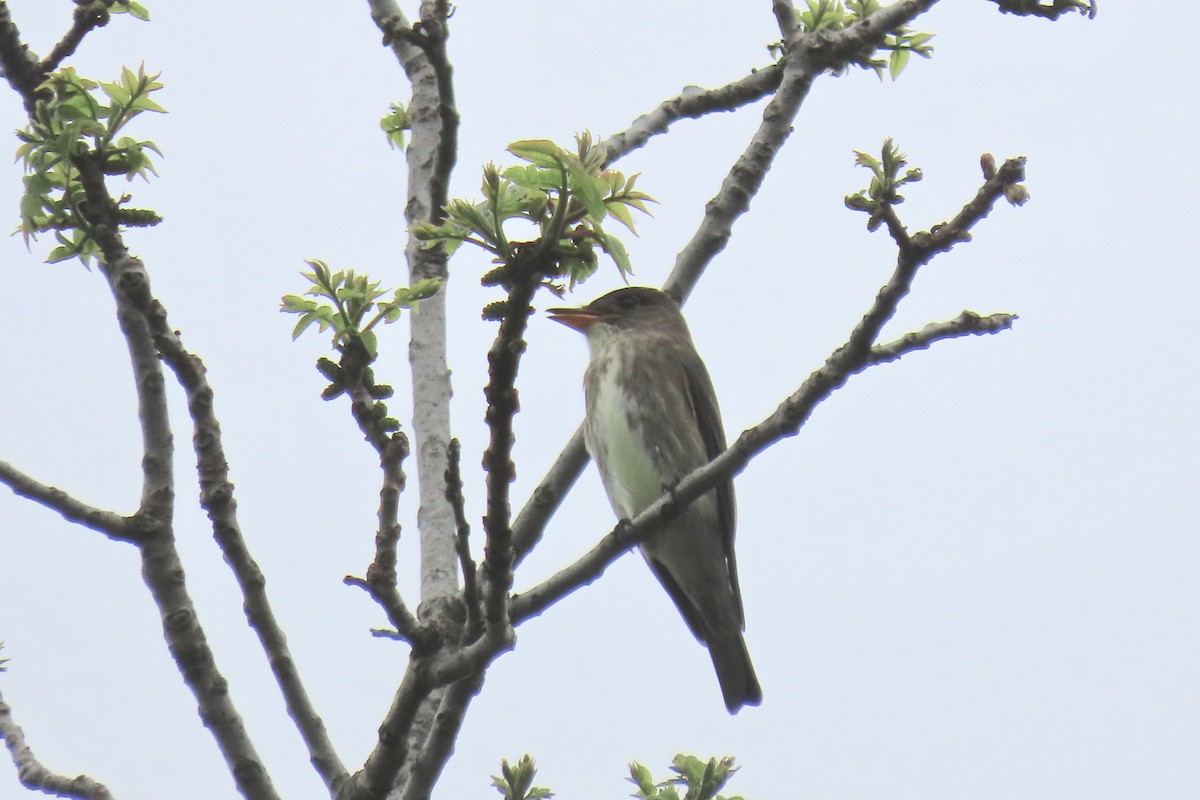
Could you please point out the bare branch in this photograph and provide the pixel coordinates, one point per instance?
(857, 354)
(147, 329)
(692, 103)
(189, 648)
(112, 525)
(454, 493)
(549, 494)
(895, 227)
(20, 66)
(440, 744)
(524, 276)
(87, 17)
(807, 56)
(785, 17)
(31, 772)
(379, 772)
(381, 574)
(218, 501)
(431, 153)
(968, 323)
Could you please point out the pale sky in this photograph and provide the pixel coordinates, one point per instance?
(972, 575)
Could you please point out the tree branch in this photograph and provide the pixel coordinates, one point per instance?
(454, 492)
(217, 499)
(438, 747)
(87, 17)
(112, 525)
(807, 56)
(163, 572)
(20, 66)
(33, 775)
(143, 323)
(968, 323)
(378, 774)
(147, 329)
(431, 153)
(785, 17)
(504, 361)
(381, 574)
(857, 354)
(548, 496)
(692, 103)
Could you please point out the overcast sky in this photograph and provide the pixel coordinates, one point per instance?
(973, 573)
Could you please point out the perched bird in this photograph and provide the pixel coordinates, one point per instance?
(652, 418)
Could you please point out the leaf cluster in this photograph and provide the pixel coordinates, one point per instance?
(516, 782)
(565, 196)
(394, 124)
(833, 15)
(75, 119)
(345, 298)
(698, 779)
(349, 304)
(886, 179)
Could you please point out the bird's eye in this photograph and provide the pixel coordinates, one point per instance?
(629, 301)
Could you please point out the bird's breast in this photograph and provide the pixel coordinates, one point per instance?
(616, 436)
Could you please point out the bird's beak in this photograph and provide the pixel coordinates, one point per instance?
(578, 318)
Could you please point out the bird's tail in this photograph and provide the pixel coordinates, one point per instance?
(735, 673)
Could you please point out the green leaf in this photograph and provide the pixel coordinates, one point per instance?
(589, 190)
(613, 246)
(146, 104)
(295, 304)
(394, 124)
(136, 10)
(898, 61)
(620, 212)
(116, 92)
(59, 254)
(305, 321)
(534, 177)
(542, 152)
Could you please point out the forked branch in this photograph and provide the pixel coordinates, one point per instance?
(858, 353)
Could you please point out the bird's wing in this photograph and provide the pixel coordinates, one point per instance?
(703, 400)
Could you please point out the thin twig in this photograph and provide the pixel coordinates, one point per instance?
(381, 574)
(968, 323)
(807, 56)
(112, 525)
(87, 17)
(504, 361)
(33, 775)
(548, 496)
(454, 493)
(692, 103)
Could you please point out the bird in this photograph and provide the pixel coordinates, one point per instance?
(652, 418)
